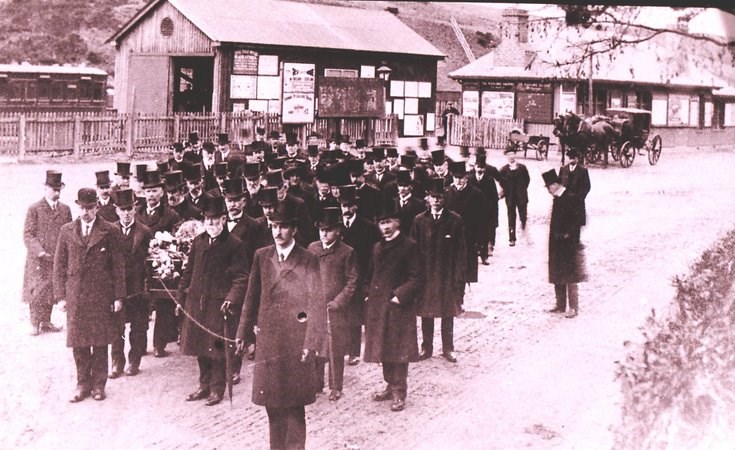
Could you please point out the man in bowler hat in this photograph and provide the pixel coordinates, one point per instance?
(177, 199)
(104, 187)
(89, 283)
(514, 181)
(43, 221)
(576, 178)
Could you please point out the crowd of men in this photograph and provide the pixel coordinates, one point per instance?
(305, 246)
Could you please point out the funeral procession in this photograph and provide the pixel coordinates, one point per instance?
(342, 224)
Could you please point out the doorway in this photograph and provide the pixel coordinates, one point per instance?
(193, 82)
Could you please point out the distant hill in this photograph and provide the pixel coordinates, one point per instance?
(75, 31)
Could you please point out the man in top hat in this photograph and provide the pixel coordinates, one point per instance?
(390, 313)
(440, 166)
(360, 148)
(322, 197)
(284, 303)
(267, 201)
(484, 177)
(339, 273)
(43, 221)
(405, 202)
(220, 174)
(89, 281)
(293, 171)
(471, 205)
(416, 175)
(246, 228)
(258, 151)
(195, 186)
(382, 175)
(252, 182)
(292, 146)
(208, 162)
(211, 290)
(369, 198)
(514, 181)
(439, 233)
(306, 232)
(104, 187)
(259, 134)
(122, 175)
(576, 178)
(312, 156)
(192, 152)
(176, 161)
(141, 170)
(159, 217)
(566, 253)
(178, 199)
(274, 139)
(449, 112)
(134, 241)
(392, 159)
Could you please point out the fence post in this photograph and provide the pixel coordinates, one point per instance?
(76, 143)
(131, 135)
(222, 122)
(177, 128)
(22, 137)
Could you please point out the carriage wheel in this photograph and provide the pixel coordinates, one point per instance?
(615, 151)
(654, 152)
(542, 150)
(593, 155)
(627, 154)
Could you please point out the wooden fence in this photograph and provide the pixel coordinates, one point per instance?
(481, 131)
(49, 134)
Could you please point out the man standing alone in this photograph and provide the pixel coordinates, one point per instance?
(514, 180)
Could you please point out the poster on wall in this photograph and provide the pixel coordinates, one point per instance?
(729, 119)
(398, 108)
(396, 88)
(659, 105)
(351, 97)
(424, 89)
(497, 104)
(367, 71)
(411, 106)
(268, 65)
(709, 107)
(430, 121)
(694, 112)
(568, 102)
(470, 103)
(243, 86)
(411, 89)
(269, 88)
(274, 107)
(258, 106)
(388, 108)
(298, 107)
(678, 112)
(245, 62)
(238, 107)
(413, 125)
(298, 77)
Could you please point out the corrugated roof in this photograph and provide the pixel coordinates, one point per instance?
(32, 68)
(291, 24)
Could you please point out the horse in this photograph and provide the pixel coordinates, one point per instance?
(584, 134)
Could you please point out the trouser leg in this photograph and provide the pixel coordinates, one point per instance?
(99, 366)
(427, 334)
(217, 375)
(320, 371)
(138, 336)
(523, 214)
(296, 428)
(83, 362)
(573, 293)
(337, 373)
(355, 340)
(205, 371)
(277, 427)
(447, 334)
(40, 307)
(512, 222)
(396, 375)
(560, 290)
(164, 328)
(492, 237)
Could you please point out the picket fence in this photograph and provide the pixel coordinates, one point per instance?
(480, 131)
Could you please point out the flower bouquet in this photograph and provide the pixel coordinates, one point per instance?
(168, 254)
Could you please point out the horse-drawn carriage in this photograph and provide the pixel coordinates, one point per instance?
(518, 141)
(633, 127)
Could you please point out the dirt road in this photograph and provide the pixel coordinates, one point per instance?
(525, 378)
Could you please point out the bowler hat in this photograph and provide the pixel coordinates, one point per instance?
(173, 180)
(403, 177)
(223, 138)
(550, 177)
(53, 179)
(216, 207)
(329, 217)
(480, 160)
(193, 172)
(260, 131)
(220, 170)
(408, 161)
(86, 197)
(457, 168)
(436, 186)
(391, 152)
(123, 169)
(152, 179)
(356, 167)
(312, 150)
(194, 137)
(274, 178)
(124, 198)
(347, 194)
(292, 139)
(233, 188)
(378, 153)
(268, 196)
(285, 213)
(251, 170)
(438, 157)
(209, 147)
(103, 178)
(274, 135)
(140, 172)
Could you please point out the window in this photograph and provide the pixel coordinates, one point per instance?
(15, 90)
(4, 89)
(340, 73)
(98, 90)
(85, 90)
(44, 88)
(58, 91)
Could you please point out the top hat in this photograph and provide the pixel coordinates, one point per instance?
(53, 179)
(163, 166)
(215, 207)
(260, 146)
(274, 178)
(260, 131)
(408, 161)
(276, 162)
(339, 174)
(347, 194)
(193, 172)
(251, 170)
(457, 168)
(480, 150)
(223, 138)
(292, 139)
(220, 170)
(360, 143)
(140, 172)
(293, 167)
(86, 197)
(285, 213)
(390, 211)
(480, 160)
(356, 167)
(436, 186)
(268, 196)
(440, 140)
(209, 147)
(378, 153)
(124, 198)
(424, 143)
(234, 168)
(194, 137)
(403, 177)
(274, 135)
(312, 150)
(103, 178)
(123, 169)
(550, 177)
(233, 188)
(152, 179)
(177, 147)
(329, 217)
(391, 152)
(438, 157)
(173, 180)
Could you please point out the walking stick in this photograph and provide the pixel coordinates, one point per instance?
(228, 361)
(331, 351)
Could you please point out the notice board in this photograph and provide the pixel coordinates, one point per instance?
(351, 97)
(535, 107)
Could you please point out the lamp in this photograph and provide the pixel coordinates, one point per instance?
(384, 71)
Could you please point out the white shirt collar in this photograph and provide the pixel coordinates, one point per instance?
(129, 226)
(327, 247)
(88, 224)
(51, 204)
(286, 251)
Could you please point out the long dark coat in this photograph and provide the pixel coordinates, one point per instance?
(408, 213)
(214, 273)
(471, 206)
(515, 184)
(490, 191)
(40, 234)
(390, 330)
(338, 269)
(566, 252)
(369, 201)
(443, 254)
(577, 181)
(187, 211)
(251, 232)
(108, 211)
(276, 299)
(135, 250)
(165, 218)
(361, 236)
(90, 277)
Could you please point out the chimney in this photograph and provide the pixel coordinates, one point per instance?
(511, 52)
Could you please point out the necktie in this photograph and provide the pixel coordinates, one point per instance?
(86, 230)
(281, 258)
(436, 216)
(53, 207)
(151, 212)
(403, 203)
(126, 230)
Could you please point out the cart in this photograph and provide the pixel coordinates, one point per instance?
(518, 141)
(633, 127)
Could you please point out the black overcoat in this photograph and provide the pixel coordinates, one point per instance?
(515, 184)
(164, 219)
(135, 250)
(489, 189)
(471, 206)
(577, 181)
(566, 252)
(390, 329)
(361, 236)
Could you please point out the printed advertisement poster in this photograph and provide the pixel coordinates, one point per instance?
(413, 125)
(243, 86)
(367, 71)
(258, 106)
(268, 65)
(298, 77)
(430, 121)
(658, 110)
(497, 104)
(470, 103)
(424, 89)
(678, 110)
(411, 106)
(298, 107)
(568, 102)
(396, 88)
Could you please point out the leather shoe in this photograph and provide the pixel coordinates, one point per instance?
(79, 395)
(98, 394)
(512, 243)
(214, 399)
(450, 356)
(199, 394)
(48, 327)
(160, 352)
(556, 310)
(35, 330)
(384, 395)
(353, 360)
(424, 354)
(335, 395)
(398, 405)
(132, 370)
(484, 262)
(116, 373)
(235, 378)
(572, 313)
